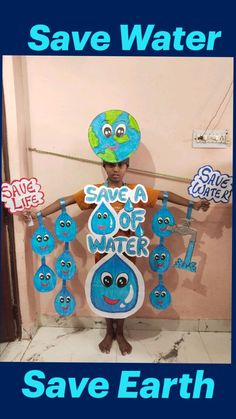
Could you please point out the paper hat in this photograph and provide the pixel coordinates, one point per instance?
(114, 135)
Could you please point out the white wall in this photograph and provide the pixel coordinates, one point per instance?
(169, 97)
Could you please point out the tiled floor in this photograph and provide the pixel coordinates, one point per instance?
(58, 344)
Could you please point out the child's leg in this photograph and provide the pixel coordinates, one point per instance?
(105, 344)
(117, 332)
(124, 345)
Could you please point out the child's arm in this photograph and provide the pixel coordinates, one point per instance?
(179, 200)
(50, 209)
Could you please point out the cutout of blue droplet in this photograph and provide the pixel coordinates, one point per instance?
(44, 279)
(103, 221)
(139, 232)
(159, 259)
(129, 205)
(114, 286)
(65, 227)
(64, 302)
(42, 241)
(160, 297)
(162, 221)
(65, 266)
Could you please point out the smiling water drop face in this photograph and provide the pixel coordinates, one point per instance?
(44, 279)
(65, 266)
(160, 297)
(42, 241)
(162, 222)
(159, 259)
(64, 302)
(103, 220)
(65, 228)
(114, 287)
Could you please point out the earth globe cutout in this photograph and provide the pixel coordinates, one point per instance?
(114, 135)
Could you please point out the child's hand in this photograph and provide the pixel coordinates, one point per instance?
(202, 204)
(28, 216)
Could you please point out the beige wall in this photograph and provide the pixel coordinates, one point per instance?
(50, 102)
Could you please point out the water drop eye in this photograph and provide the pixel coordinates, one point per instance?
(163, 294)
(157, 294)
(68, 299)
(63, 263)
(62, 224)
(156, 257)
(105, 215)
(167, 220)
(106, 279)
(107, 130)
(120, 130)
(68, 264)
(48, 276)
(122, 280)
(62, 299)
(45, 237)
(39, 238)
(163, 256)
(99, 215)
(41, 276)
(160, 220)
(68, 223)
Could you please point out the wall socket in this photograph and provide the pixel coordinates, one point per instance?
(210, 138)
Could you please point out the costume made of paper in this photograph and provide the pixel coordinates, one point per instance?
(114, 286)
(153, 195)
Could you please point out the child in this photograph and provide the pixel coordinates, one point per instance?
(115, 175)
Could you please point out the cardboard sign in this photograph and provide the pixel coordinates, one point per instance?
(211, 184)
(22, 194)
(97, 194)
(114, 285)
(104, 222)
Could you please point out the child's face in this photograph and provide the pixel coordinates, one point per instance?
(115, 171)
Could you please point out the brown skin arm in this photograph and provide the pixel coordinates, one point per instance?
(50, 209)
(69, 200)
(179, 200)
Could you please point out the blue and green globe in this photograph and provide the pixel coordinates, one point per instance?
(114, 135)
